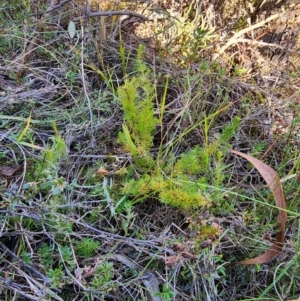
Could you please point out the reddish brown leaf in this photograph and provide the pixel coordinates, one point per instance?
(102, 171)
(171, 260)
(273, 181)
(8, 171)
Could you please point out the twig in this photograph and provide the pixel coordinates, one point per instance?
(24, 165)
(263, 44)
(128, 240)
(53, 7)
(100, 156)
(26, 266)
(110, 14)
(235, 39)
(83, 83)
(31, 45)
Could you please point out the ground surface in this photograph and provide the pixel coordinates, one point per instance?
(116, 124)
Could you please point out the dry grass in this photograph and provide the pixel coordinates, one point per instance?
(56, 86)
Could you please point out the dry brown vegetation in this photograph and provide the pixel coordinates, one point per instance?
(116, 124)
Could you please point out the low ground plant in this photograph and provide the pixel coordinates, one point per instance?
(117, 176)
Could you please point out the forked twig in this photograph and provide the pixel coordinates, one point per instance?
(236, 38)
(89, 14)
(111, 13)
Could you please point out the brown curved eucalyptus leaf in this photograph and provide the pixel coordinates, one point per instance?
(273, 181)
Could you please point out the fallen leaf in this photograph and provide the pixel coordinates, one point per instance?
(102, 171)
(8, 171)
(273, 181)
(172, 260)
(72, 29)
